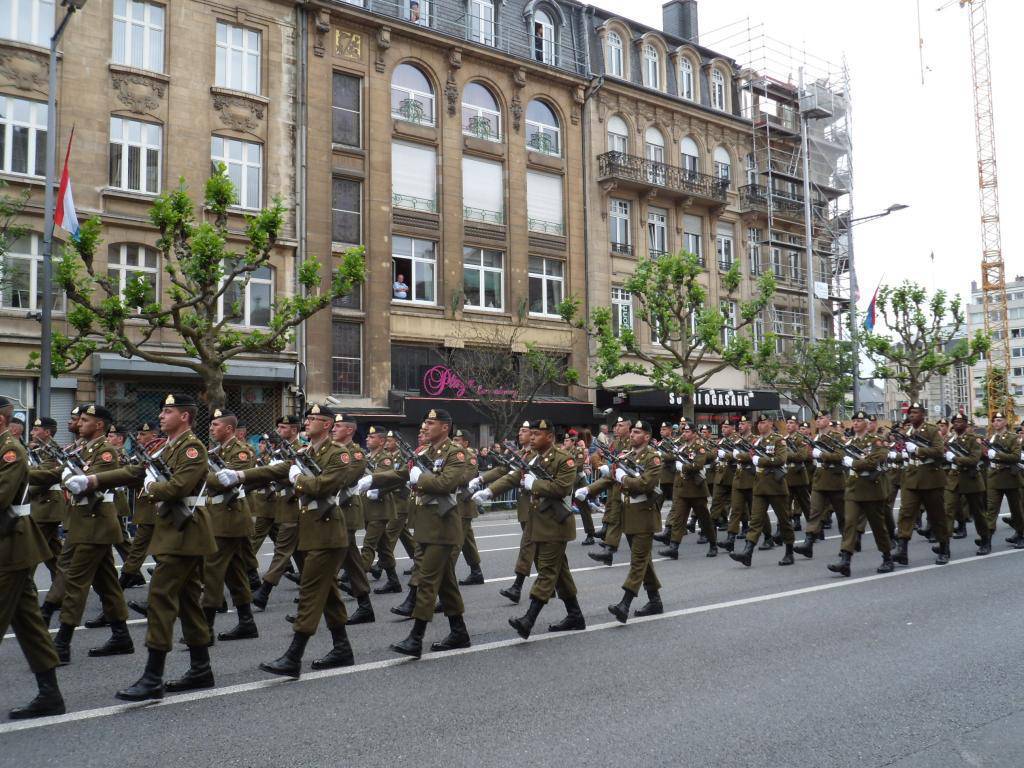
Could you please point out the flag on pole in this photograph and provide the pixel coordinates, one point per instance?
(869, 317)
(65, 216)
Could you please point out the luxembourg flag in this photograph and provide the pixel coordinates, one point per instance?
(869, 318)
(65, 216)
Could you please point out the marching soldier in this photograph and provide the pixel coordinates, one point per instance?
(116, 437)
(797, 480)
(45, 494)
(580, 455)
(923, 484)
(721, 480)
(468, 510)
(611, 524)
(768, 457)
(1004, 479)
(398, 530)
(401, 472)
(22, 548)
(965, 481)
(378, 509)
(827, 487)
(742, 497)
(352, 507)
(864, 496)
(668, 471)
(143, 516)
(263, 505)
(690, 493)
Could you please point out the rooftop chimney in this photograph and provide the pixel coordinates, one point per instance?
(679, 18)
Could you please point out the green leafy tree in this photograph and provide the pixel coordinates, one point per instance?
(201, 269)
(11, 207)
(817, 375)
(995, 377)
(694, 342)
(919, 338)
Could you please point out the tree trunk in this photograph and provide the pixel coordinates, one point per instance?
(213, 384)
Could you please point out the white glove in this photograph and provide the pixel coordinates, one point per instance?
(528, 480)
(679, 467)
(848, 461)
(905, 455)
(950, 456)
(414, 474)
(148, 484)
(911, 449)
(66, 474)
(721, 453)
(274, 462)
(816, 453)
(755, 459)
(227, 477)
(991, 453)
(605, 470)
(475, 483)
(483, 495)
(373, 494)
(736, 453)
(76, 484)
(293, 472)
(620, 475)
(581, 494)
(892, 455)
(363, 485)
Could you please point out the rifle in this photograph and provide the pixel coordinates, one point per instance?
(156, 469)
(515, 461)
(72, 463)
(826, 443)
(990, 447)
(445, 503)
(216, 462)
(920, 442)
(631, 468)
(308, 466)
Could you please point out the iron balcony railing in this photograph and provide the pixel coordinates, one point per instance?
(624, 249)
(755, 196)
(545, 227)
(640, 170)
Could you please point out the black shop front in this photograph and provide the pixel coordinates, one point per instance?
(711, 406)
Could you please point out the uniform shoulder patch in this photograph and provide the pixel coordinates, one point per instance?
(243, 456)
(10, 456)
(359, 455)
(461, 456)
(657, 460)
(108, 456)
(473, 461)
(570, 462)
(345, 458)
(192, 453)
(386, 462)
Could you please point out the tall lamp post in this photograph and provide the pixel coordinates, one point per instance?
(854, 330)
(43, 407)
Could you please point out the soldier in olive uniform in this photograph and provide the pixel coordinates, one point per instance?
(690, 492)
(116, 436)
(611, 524)
(468, 510)
(399, 529)
(769, 461)
(580, 456)
(797, 480)
(351, 506)
(828, 486)
(668, 478)
(175, 590)
(94, 528)
(378, 508)
(45, 494)
(721, 480)
(22, 548)
(228, 510)
(143, 516)
(965, 481)
(1003, 481)
(742, 497)
(396, 496)
(551, 527)
(923, 484)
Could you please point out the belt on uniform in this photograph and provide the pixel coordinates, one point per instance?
(222, 498)
(193, 501)
(638, 499)
(55, 487)
(21, 510)
(107, 496)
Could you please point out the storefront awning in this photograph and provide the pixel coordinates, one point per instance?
(646, 398)
(108, 364)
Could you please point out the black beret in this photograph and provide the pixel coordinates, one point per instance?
(180, 399)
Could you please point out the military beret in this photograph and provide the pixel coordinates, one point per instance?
(99, 412)
(439, 414)
(642, 425)
(860, 415)
(242, 423)
(805, 424)
(116, 430)
(460, 433)
(666, 424)
(999, 415)
(525, 425)
(763, 417)
(74, 411)
(18, 420)
(373, 430)
(960, 417)
(46, 423)
(823, 415)
(542, 424)
(4, 401)
(872, 417)
(146, 427)
(390, 433)
(220, 413)
(705, 428)
(792, 418)
(320, 410)
(290, 420)
(572, 432)
(743, 420)
(180, 400)
(943, 420)
(686, 426)
(915, 407)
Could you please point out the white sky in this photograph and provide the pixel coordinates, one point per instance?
(913, 144)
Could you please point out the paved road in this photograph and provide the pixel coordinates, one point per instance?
(764, 666)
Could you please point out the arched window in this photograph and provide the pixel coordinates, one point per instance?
(412, 96)
(654, 151)
(481, 116)
(618, 135)
(615, 59)
(723, 165)
(717, 89)
(543, 133)
(543, 37)
(690, 154)
(685, 78)
(652, 67)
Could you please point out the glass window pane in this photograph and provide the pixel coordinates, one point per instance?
(471, 286)
(115, 165)
(259, 309)
(536, 294)
(424, 249)
(492, 290)
(401, 246)
(134, 167)
(554, 295)
(222, 72)
(120, 31)
(152, 170)
(252, 199)
(40, 166)
(19, 149)
(424, 283)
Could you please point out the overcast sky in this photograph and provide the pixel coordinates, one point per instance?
(913, 144)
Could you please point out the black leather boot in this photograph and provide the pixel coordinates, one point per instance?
(573, 617)
(766, 543)
(901, 552)
(340, 655)
(843, 565)
(199, 674)
(806, 547)
(46, 703)
(62, 642)
(391, 586)
(960, 532)
(254, 579)
(524, 624)
(376, 570)
(653, 606)
(787, 559)
(943, 554)
(259, 600)
(47, 610)
(120, 642)
(127, 580)
(588, 541)
(290, 664)
(730, 542)
(364, 613)
(665, 536)
(458, 636)
(294, 578)
(796, 523)
(605, 556)
(151, 684)
(139, 606)
(712, 550)
(887, 565)
(515, 592)
(405, 607)
(413, 644)
(96, 621)
(246, 627)
(621, 609)
(476, 576)
(985, 547)
(671, 551)
(746, 555)
(600, 532)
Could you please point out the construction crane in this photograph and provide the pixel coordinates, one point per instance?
(993, 269)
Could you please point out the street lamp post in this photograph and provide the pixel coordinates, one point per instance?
(46, 341)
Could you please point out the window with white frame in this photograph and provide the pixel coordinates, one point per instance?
(652, 67)
(730, 314)
(346, 110)
(412, 95)
(22, 284)
(690, 153)
(717, 89)
(481, 116)
(685, 78)
(544, 206)
(654, 150)
(238, 58)
(543, 133)
(22, 136)
(133, 270)
(618, 135)
(243, 161)
(138, 34)
(778, 268)
(135, 155)
(618, 225)
(248, 302)
(693, 240)
(758, 332)
(481, 21)
(483, 278)
(751, 169)
(413, 176)
(418, 12)
(754, 249)
(657, 232)
(543, 37)
(724, 246)
(483, 190)
(723, 164)
(414, 265)
(346, 211)
(613, 47)
(622, 311)
(796, 267)
(547, 285)
(27, 21)
(346, 357)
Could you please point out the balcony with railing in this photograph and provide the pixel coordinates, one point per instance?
(545, 227)
(654, 254)
(622, 249)
(643, 174)
(480, 214)
(754, 197)
(412, 203)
